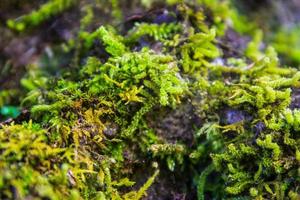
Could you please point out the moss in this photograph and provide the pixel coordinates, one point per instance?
(93, 125)
(287, 44)
(45, 12)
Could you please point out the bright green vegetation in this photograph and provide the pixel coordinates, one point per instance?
(45, 12)
(287, 43)
(84, 121)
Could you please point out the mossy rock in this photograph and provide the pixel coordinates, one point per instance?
(174, 103)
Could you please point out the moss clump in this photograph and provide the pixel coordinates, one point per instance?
(92, 126)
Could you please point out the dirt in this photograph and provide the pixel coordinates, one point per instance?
(168, 185)
(176, 126)
(233, 44)
(295, 102)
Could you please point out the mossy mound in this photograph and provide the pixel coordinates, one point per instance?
(176, 103)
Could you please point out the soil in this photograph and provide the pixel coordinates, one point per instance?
(176, 126)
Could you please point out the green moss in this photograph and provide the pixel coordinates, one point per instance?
(45, 12)
(286, 43)
(159, 32)
(89, 128)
